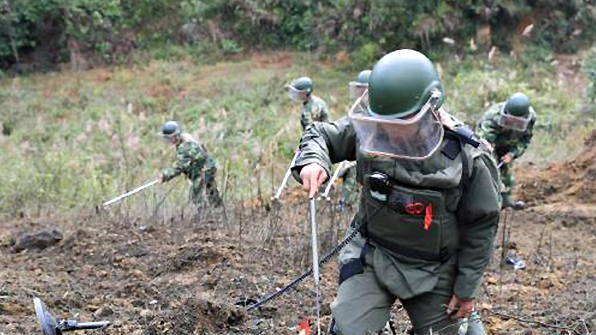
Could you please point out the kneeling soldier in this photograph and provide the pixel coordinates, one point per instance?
(429, 206)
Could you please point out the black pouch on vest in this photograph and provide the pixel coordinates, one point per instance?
(408, 222)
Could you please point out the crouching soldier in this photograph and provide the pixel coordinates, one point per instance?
(313, 107)
(507, 126)
(429, 205)
(193, 161)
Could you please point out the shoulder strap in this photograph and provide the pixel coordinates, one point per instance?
(465, 134)
(456, 142)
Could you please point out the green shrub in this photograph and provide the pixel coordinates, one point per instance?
(108, 28)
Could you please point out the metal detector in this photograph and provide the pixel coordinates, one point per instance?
(51, 326)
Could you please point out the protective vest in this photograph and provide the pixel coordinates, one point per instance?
(409, 222)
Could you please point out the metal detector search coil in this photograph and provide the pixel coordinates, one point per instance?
(50, 326)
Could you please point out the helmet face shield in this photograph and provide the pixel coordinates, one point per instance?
(416, 138)
(512, 122)
(357, 89)
(296, 94)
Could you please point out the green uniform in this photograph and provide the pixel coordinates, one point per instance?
(314, 109)
(429, 238)
(505, 141)
(349, 186)
(199, 168)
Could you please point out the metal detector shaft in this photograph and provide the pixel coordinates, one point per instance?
(315, 261)
(335, 174)
(286, 177)
(136, 190)
(84, 325)
(500, 164)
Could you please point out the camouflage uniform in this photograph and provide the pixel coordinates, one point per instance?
(349, 186)
(376, 271)
(505, 141)
(199, 168)
(314, 109)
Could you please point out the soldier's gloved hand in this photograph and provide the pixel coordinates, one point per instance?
(459, 309)
(507, 158)
(312, 175)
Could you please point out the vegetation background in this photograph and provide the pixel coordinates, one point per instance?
(85, 86)
(87, 83)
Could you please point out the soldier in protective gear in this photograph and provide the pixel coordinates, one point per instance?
(358, 87)
(193, 161)
(429, 206)
(349, 192)
(313, 108)
(508, 126)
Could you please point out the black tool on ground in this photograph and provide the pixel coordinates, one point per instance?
(51, 326)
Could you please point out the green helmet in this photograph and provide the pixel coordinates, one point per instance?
(303, 84)
(518, 105)
(401, 83)
(363, 77)
(170, 128)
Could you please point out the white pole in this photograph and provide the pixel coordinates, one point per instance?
(136, 190)
(288, 172)
(315, 262)
(335, 174)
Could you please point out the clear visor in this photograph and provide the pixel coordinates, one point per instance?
(414, 138)
(295, 94)
(513, 122)
(357, 89)
(166, 138)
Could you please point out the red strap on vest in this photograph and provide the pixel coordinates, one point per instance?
(428, 217)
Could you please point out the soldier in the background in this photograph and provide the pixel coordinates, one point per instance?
(313, 108)
(358, 87)
(193, 161)
(349, 190)
(508, 127)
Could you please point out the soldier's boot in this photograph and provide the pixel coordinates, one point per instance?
(389, 329)
(509, 202)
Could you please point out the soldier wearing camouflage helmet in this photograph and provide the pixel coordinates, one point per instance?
(313, 108)
(193, 161)
(508, 126)
(429, 205)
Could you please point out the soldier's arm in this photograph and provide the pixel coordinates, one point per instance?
(488, 129)
(478, 217)
(182, 165)
(325, 144)
(524, 141)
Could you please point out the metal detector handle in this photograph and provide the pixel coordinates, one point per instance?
(286, 177)
(335, 174)
(136, 190)
(315, 261)
(500, 164)
(74, 325)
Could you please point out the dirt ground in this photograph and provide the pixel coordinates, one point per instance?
(191, 276)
